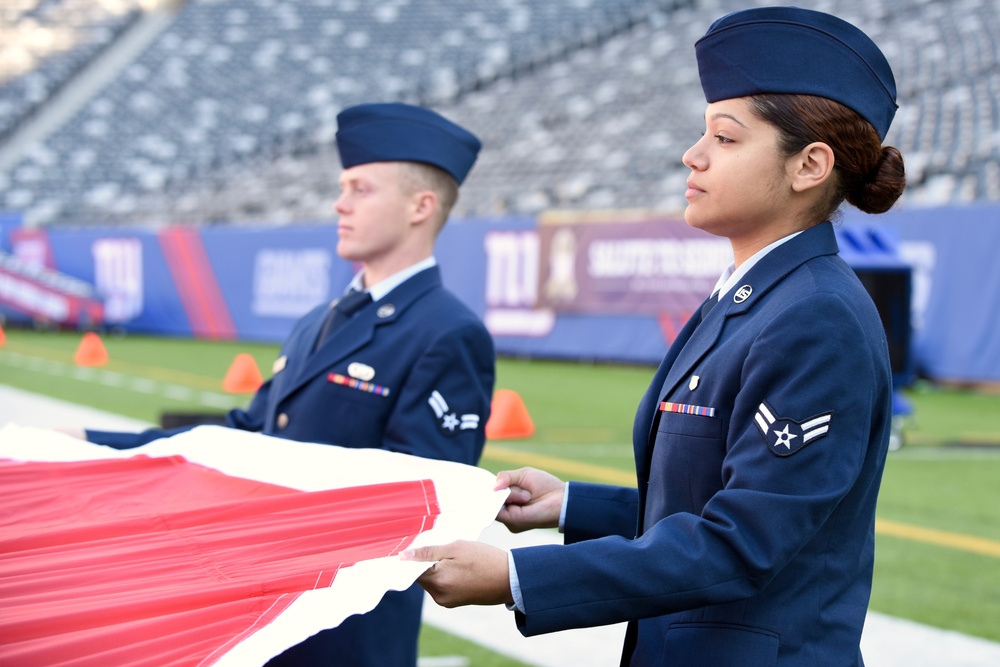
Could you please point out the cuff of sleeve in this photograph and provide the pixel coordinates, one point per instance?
(515, 585)
(562, 512)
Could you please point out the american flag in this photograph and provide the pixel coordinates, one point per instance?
(213, 547)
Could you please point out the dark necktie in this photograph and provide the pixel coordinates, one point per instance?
(709, 305)
(341, 311)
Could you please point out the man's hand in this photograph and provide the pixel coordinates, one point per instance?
(465, 573)
(535, 499)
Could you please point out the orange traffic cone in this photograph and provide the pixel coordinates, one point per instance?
(91, 351)
(509, 417)
(3, 337)
(243, 376)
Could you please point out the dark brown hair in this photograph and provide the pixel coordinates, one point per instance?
(869, 175)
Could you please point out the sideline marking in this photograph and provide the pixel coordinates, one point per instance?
(119, 380)
(551, 463)
(941, 538)
(42, 355)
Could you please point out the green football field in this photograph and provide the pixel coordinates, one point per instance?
(938, 525)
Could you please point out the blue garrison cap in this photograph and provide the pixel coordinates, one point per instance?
(396, 132)
(798, 51)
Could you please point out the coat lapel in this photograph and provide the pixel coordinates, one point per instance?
(697, 338)
(356, 332)
(645, 418)
(701, 341)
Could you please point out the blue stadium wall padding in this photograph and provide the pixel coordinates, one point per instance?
(267, 277)
(956, 287)
(139, 292)
(221, 282)
(194, 279)
(270, 277)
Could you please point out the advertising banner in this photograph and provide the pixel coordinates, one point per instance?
(614, 286)
(610, 264)
(47, 297)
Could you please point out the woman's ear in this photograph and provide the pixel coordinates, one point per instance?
(812, 166)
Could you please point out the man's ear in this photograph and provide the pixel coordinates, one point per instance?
(812, 166)
(425, 203)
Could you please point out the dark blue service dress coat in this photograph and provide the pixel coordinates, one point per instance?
(411, 373)
(759, 450)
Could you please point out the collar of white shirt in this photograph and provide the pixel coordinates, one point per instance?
(732, 275)
(383, 287)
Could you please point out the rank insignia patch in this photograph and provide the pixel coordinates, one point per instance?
(450, 421)
(786, 436)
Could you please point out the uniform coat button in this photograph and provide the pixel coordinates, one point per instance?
(282, 420)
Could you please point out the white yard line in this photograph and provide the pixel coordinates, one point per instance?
(116, 380)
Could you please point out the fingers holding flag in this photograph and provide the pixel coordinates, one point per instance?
(464, 573)
(535, 499)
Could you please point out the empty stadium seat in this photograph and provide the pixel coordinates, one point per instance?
(230, 112)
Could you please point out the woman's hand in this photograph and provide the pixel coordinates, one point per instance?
(535, 499)
(465, 573)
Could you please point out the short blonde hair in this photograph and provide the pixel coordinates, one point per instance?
(417, 176)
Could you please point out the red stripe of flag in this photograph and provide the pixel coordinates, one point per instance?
(159, 562)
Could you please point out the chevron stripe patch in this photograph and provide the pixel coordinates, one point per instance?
(786, 436)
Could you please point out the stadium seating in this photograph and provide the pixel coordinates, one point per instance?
(228, 115)
(45, 42)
